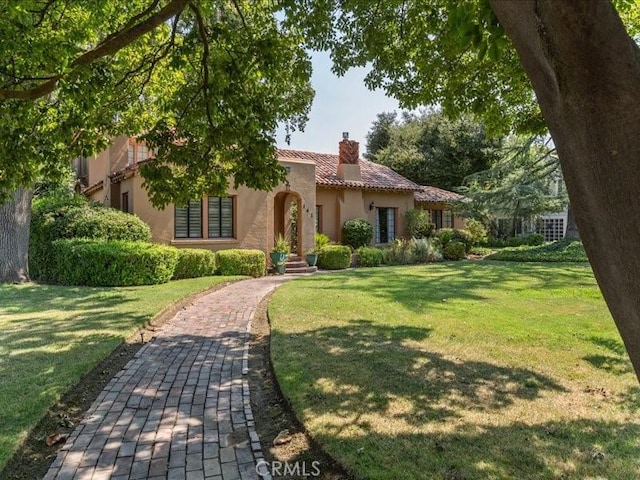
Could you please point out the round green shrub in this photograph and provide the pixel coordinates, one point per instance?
(241, 262)
(334, 257)
(369, 256)
(447, 235)
(478, 232)
(62, 216)
(111, 263)
(454, 250)
(534, 239)
(194, 262)
(357, 233)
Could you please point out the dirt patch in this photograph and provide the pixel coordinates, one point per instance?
(275, 418)
(33, 457)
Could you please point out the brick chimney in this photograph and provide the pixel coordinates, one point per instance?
(349, 159)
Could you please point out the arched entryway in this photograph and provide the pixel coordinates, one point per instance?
(288, 220)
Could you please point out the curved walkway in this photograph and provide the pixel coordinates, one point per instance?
(180, 408)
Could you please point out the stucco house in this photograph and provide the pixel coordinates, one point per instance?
(321, 192)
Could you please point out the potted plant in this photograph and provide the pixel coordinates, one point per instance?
(279, 253)
(312, 257)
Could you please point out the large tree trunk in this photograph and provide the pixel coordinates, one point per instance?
(15, 220)
(585, 71)
(572, 232)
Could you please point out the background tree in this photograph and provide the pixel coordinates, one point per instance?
(523, 184)
(379, 135)
(570, 64)
(206, 81)
(431, 149)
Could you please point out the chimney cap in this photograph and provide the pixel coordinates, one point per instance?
(345, 135)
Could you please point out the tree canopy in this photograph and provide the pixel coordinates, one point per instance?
(431, 149)
(204, 82)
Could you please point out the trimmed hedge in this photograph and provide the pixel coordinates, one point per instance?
(334, 257)
(357, 233)
(241, 262)
(369, 257)
(111, 263)
(194, 262)
(60, 216)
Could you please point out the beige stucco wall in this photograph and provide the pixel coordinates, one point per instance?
(401, 201)
(253, 214)
(340, 205)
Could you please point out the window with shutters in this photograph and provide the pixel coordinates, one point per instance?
(385, 225)
(188, 220)
(220, 210)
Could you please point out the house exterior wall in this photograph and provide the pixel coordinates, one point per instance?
(458, 221)
(400, 201)
(253, 211)
(339, 205)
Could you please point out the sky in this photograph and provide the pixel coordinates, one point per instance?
(341, 104)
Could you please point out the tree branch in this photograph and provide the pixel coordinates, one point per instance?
(110, 46)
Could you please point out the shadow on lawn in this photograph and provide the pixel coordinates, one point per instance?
(347, 376)
(463, 280)
(615, 360)
(366, 368)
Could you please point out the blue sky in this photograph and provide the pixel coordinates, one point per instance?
(341, 104)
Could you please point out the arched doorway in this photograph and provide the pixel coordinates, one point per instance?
(288, 220)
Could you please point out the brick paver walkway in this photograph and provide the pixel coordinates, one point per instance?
(180, 408)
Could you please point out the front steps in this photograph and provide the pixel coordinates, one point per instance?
(295, 264)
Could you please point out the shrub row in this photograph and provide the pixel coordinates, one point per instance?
(533, 239)
(111, 263)
(62, 216)
(194, 263)
(334, 257)
(241, 262)
(117, 263)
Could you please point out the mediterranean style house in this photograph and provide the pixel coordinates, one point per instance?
(321, 192)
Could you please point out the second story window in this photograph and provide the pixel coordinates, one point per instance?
(136, 152)
(188, 220)
(131, 154)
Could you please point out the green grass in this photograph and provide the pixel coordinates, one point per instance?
(460, 370)
(50, 336)
(561, 251)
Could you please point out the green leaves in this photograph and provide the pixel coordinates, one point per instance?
(206, 90)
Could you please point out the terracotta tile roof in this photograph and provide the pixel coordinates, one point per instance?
(434, 194)
(374, 176)
(99, 185)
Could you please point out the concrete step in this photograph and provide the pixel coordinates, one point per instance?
(306, 269)
(295, 258)
(295, 264)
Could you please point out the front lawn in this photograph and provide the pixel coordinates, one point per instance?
(50, 336)
(459, 371)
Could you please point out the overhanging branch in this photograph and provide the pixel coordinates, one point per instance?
(109, 46)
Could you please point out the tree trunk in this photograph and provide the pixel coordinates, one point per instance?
(585, 71)
(572, 232)
(15, 220)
